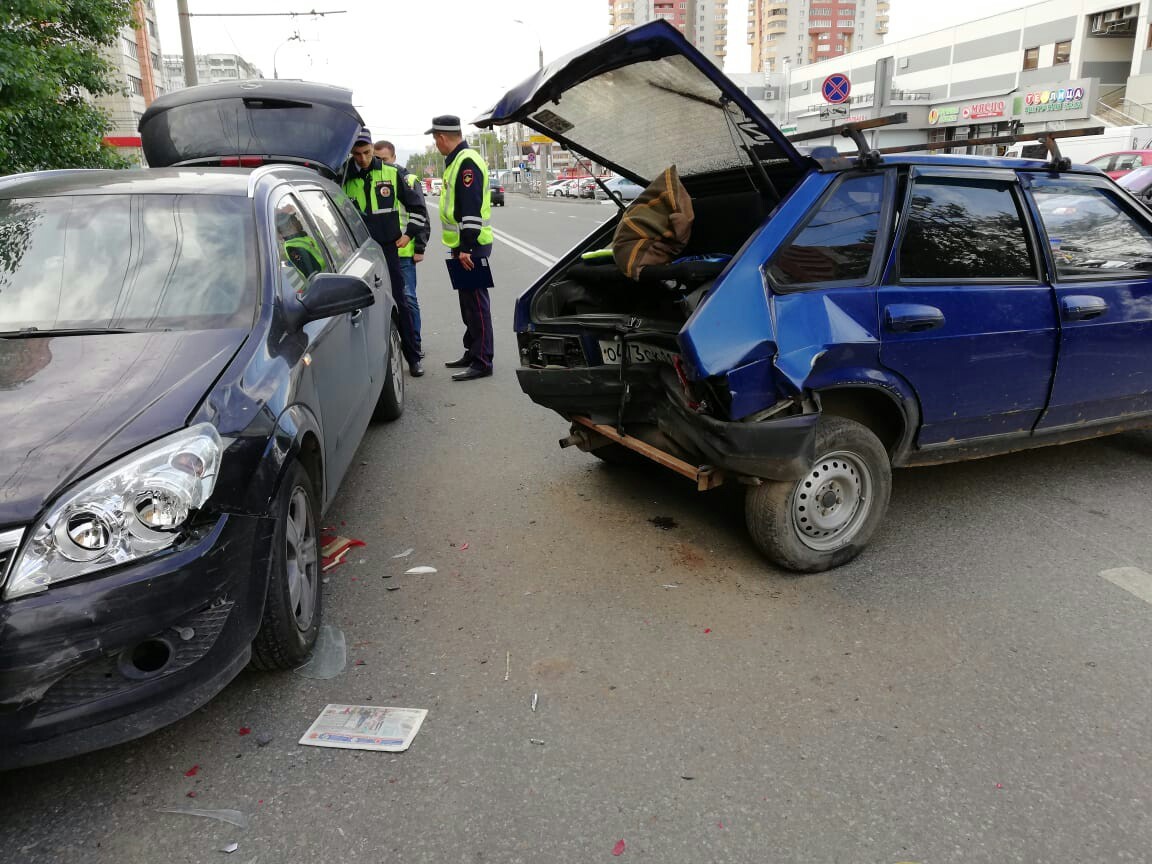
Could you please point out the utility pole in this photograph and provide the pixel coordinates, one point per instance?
(190, 77)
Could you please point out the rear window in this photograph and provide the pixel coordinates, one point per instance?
(141, 262)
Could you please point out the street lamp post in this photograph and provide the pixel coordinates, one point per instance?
(295, 37)
(546, 150)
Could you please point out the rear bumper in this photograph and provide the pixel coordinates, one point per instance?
(70, 658)
(775, 449)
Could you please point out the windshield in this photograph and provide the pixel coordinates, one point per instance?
(653, 114)
(138, 262)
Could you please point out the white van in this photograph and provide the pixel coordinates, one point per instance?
(1088, 147)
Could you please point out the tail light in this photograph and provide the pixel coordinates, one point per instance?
(241, 161)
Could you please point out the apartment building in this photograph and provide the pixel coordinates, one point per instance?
(799, 32)
(136, 59)
(1052, 64)
(704, 22)
(210, 69)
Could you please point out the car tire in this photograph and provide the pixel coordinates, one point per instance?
(390, 405)
(294, 602)
(798, 531)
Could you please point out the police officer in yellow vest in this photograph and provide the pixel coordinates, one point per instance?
(376, 190)
(413, 224)
(466, 231)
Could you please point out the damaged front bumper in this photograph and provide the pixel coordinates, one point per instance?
(105, 659)
(779, 448)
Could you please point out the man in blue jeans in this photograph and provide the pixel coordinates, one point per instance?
(414, 251)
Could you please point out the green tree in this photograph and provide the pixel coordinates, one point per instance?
(50, 68)
(430, 158)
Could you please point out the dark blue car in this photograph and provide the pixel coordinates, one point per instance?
(189, 357)
(832, 318)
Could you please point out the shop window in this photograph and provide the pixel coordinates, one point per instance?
(1031, 58)
(1063, 53)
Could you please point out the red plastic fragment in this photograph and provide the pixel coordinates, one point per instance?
(193, 771)
(358, 663)
(191, 793)
(244, 730)
(463, 546)
(618, 849)
(707, 629)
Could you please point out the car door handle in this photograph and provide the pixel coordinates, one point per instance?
(355, 317)
(377, 280)
(1082, 307)
(912, 318)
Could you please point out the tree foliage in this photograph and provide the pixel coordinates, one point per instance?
(50, 68)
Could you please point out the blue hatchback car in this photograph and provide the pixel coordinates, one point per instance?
(849, 316)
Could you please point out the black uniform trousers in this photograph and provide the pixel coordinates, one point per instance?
(409, 335)
(476, 312)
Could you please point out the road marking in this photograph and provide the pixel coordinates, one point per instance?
(1131, 579)
(525, 248)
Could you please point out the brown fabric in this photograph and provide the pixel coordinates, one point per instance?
(656, 226)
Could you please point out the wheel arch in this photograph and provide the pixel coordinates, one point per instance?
(892, 417)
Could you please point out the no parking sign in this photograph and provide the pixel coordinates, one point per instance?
(836, 88)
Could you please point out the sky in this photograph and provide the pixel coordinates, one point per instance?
(409, 61)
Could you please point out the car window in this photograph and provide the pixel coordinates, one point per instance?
(353, 219)
(837, 242)
(964, 229)
(1102, 162)
(1127, 163)
(141, 262)
(301, 255)
(331, 226)
(1090, 233)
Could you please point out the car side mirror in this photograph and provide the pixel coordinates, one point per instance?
(329, 294)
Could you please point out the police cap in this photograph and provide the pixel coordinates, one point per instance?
(445, 123)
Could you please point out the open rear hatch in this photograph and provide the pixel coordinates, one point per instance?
(250, 123)
(641, 100)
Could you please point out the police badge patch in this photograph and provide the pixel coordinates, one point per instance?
(384, 189)
(467, 176)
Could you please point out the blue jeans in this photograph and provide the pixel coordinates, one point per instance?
(408, 268)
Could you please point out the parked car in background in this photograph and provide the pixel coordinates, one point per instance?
(189, 357)
(496, 195)
(432, 185)
(556, 189)
(587, 188)
(1118, 164)
(827, 319)
(621, 187)
(1138, 181)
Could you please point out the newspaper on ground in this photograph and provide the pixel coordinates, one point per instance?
(365, 727)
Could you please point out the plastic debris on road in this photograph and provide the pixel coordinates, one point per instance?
(365, 727)
(404, 554)
(329, 655)
(420, 571)
(230, 848)
(537, 741)
(664, 523)
(193, 771)
(535, 699)
(618, 849)
(232, 817)
(334, 548)
(244, 730)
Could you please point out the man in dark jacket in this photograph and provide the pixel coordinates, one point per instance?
(377, 190)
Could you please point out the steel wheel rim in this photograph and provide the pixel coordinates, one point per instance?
(831, 502)
(396, 362)
(301, 559)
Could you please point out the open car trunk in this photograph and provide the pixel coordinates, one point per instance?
(251, 123)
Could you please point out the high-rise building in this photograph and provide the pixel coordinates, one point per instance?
(806, 31)
(135, 57)
(210, 69)
(704, 22)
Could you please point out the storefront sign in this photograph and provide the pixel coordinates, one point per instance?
(943, 115)
(1042, 101)
(984, 110)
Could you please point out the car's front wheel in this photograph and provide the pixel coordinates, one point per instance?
(292, 608)
(826, 518)
(391, 403)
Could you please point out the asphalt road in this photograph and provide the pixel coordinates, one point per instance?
(969, 690)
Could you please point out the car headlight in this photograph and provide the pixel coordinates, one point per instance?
(126, 511)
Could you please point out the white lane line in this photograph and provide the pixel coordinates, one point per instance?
(511, 243)
(1131, 579)
(510, 239)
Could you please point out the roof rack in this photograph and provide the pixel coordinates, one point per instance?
(1056, 161)
(869, 158)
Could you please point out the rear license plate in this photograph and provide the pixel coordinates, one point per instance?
(638, 352)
